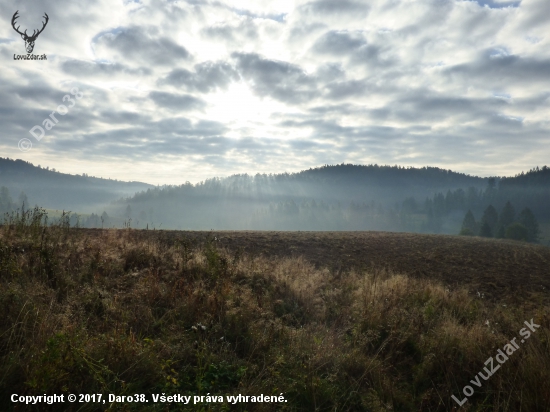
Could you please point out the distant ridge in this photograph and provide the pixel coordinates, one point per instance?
(54, 190)
(20, 168)
(329, 197)
(339, 182)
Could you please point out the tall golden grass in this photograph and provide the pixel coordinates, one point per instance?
(113, 312)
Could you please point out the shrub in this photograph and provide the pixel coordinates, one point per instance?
(517, 231)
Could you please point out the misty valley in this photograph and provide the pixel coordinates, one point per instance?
(334, 198)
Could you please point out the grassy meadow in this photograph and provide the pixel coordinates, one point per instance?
(128, 312)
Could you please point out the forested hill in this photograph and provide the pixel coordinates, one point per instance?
(339, 197)
(428, 177)
(537, 177)
(531, 189)
(51, 189)
(340, 183)
(318, 199)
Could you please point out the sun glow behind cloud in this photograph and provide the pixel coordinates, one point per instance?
(242, 111)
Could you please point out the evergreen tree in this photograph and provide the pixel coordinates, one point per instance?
(469, 225)
(490, 192)
(527, 219)
(507, 217)
(92, 221)
(460, 199)
(489, 222)
(485, 229)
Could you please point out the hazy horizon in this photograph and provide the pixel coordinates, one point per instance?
(183, 180)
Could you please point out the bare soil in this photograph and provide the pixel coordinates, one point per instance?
(502, 270)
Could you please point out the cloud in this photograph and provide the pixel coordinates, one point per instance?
(281, 80)
(496, 4)
(276, 17)
(143, 44)
(207, 77)
(534, 15)
(80, 68)
(123, 117)
(332, 8)
(219, 87)
(245, 29)
(339, 43)
(344, 89)
(496, 65)
(180, 102)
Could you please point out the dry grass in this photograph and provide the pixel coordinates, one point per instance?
(505, 271)
(127, 312)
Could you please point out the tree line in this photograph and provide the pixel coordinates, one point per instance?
(505, 225)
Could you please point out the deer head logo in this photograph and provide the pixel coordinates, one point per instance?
(29, 40)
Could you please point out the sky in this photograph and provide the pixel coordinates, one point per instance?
(166, 92)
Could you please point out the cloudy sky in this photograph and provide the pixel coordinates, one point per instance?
(185, 90)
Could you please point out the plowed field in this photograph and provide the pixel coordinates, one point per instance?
(498, 269)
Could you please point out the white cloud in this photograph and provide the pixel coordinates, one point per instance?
(219, 87)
